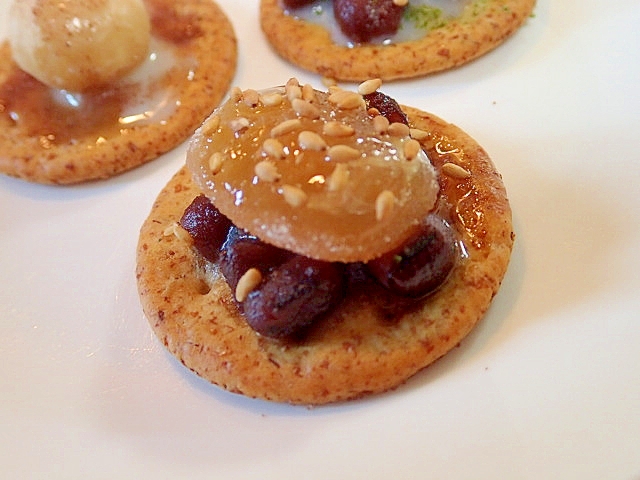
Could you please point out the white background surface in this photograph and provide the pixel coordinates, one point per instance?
(547, 386)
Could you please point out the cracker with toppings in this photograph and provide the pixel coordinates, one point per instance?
(51, 135)
(437, 41)
(371, 340)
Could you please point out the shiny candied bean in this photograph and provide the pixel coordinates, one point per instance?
(422, 264)
(387, 106)
(363, 20)
(242, 251)
(294, 295)
(206, 225)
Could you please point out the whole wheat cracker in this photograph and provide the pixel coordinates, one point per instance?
(209, 45)
(368, 344)
(484, 25)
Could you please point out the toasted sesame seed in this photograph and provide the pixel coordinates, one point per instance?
(339, 178)
(398, 129)
(411, 149)
(215, 162)
(308, 93)
(267, 171)
(305, 109)
(250, 97)
(292, 89)
(418, 134)
(247, 283)
(337, 129)
(369, 86)
(385, 202)
(309, 140)
(287, 126)
(294, 196)
(239, 124)
(343, 153)
(211, 125)
(373, 111)
(176, 230)
(273, 148)
(454, 170)
(380, 124)
(235, 94)
(346, 100)
(400, 3)
(272, 99)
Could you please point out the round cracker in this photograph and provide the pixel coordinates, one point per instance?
(208, 48)
(369, 343)
(484, 26)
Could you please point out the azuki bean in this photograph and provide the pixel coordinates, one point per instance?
(294, 295)
(242, 251)
(363, 20)
(206, 225)
(422, 264)
(387, 106)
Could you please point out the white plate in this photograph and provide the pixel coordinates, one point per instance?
(547, 386)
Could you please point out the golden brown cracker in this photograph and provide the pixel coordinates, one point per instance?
(484, 25)
(201, 39)
(368, 344)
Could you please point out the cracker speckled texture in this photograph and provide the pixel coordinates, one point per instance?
(484, 25)
(208, 42)
(367, 344)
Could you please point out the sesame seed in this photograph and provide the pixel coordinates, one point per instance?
(411, 149)
(215, 162)
(294, 196)
(309, 140)
(339, 178)
(176, 230)
(455, 171)
(273, 148)
(211, 125)
(267, 171)
(346, 100)
(385, 202)
(247, 283)
(337, 129)
(343, 153)
(380, 124)
(400, 3)
(398, 129)
(250, 97)
(308, 93)
(287, 126)
(305, 109)
(292, 89)
(239, 124)
(418, 134)
(271, 99)
(369, 86)
(235, 94)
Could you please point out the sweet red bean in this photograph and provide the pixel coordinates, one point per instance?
(387, 106)
(363, 20)
(294, 295)
(242, 251)
(206, 225)
(422, 264)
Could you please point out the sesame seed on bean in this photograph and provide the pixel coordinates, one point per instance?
(247, 283)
